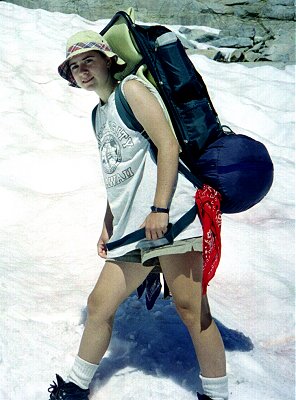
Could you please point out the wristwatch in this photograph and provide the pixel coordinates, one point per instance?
(159, 210)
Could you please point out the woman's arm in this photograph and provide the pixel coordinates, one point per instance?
(106, 233)
(149, 113)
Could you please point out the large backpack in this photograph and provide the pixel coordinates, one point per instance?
(237, 166)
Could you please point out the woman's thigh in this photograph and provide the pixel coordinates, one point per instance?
(115, 283)
(183, 273)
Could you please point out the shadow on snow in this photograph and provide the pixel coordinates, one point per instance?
(157, 343)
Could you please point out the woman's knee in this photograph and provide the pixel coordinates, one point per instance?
(188, 310)
(194, 312)
(100, 308)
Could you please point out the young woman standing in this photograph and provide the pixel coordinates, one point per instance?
(140, 193)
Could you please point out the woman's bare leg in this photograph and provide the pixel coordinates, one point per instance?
(183, 273)
(116, 282)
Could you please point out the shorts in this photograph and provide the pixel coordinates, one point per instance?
(149, 257)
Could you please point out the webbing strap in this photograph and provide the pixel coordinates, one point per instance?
(125, 111)
(139, 235)
(172, 232)
(93, 117)
(190, 176)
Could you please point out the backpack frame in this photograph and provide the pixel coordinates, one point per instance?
(236, 165)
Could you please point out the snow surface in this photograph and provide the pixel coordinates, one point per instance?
(52, 204)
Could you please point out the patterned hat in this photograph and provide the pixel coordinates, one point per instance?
(82, 42)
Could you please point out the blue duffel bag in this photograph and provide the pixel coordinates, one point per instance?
(239, 168)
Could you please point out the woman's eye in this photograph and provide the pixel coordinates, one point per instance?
(73, 67)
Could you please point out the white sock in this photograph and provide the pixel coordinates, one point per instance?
(82, 373)
(215, 388)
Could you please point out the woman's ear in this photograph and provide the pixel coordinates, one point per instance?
(108, 62)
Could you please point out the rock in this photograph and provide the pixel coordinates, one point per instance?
(232, 41)
(264, 38)
(247, 11)
(213, 54)
(236, 55)
(207, 37)
(251, 56)
(186, 12)
(184, 30)
(196, 34)
(235, 2)
(282, 47)
(257, 46)
(281, 2)
(251, 24)
(278, 12)
(186, 43)
(216, 7)
(241, 31)
(278, 51)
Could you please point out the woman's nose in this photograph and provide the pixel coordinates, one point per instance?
(83, 68)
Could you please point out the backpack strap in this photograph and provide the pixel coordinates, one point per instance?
(93, 117)
(168, 238)
(125, 112)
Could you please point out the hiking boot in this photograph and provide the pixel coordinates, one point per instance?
(203, 397)
(67, 391)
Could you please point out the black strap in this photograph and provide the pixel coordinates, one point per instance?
(125, 111)
(190, 176)
(93, 117)
(172, 232)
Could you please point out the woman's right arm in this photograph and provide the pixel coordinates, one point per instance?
(106, 232)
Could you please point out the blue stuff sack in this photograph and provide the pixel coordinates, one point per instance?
(239, 167)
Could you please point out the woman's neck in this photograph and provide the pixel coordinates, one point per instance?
(105, 93)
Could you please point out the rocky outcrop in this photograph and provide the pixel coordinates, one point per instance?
(187, 12)
(243, 44)
(254, 30)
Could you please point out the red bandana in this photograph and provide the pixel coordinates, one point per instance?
(208, 202)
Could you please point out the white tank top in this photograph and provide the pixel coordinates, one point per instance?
(130, 174)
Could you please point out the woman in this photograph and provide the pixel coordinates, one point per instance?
(134, 183)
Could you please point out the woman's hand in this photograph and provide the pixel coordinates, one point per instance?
(101, 246)
(156, 225)
(106, 233)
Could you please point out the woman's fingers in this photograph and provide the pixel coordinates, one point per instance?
(155, 225)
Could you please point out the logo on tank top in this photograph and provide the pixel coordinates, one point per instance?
(110, 153)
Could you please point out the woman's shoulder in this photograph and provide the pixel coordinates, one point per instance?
(133, 81)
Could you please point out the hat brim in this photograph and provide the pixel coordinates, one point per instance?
(64, 68)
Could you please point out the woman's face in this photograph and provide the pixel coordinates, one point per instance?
(91, 70)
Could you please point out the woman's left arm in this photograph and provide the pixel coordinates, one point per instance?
(149, 113)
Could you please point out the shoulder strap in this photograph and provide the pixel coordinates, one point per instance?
(173, 231)
(127, 116)
(125, 112)
(93, 117)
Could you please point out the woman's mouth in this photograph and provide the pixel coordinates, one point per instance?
(87, 80)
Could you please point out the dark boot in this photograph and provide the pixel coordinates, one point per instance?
(67, 391)
(203, 397)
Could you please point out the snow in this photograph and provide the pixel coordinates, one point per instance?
(52, 205)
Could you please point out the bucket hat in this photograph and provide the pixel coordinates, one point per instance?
(81, 42)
